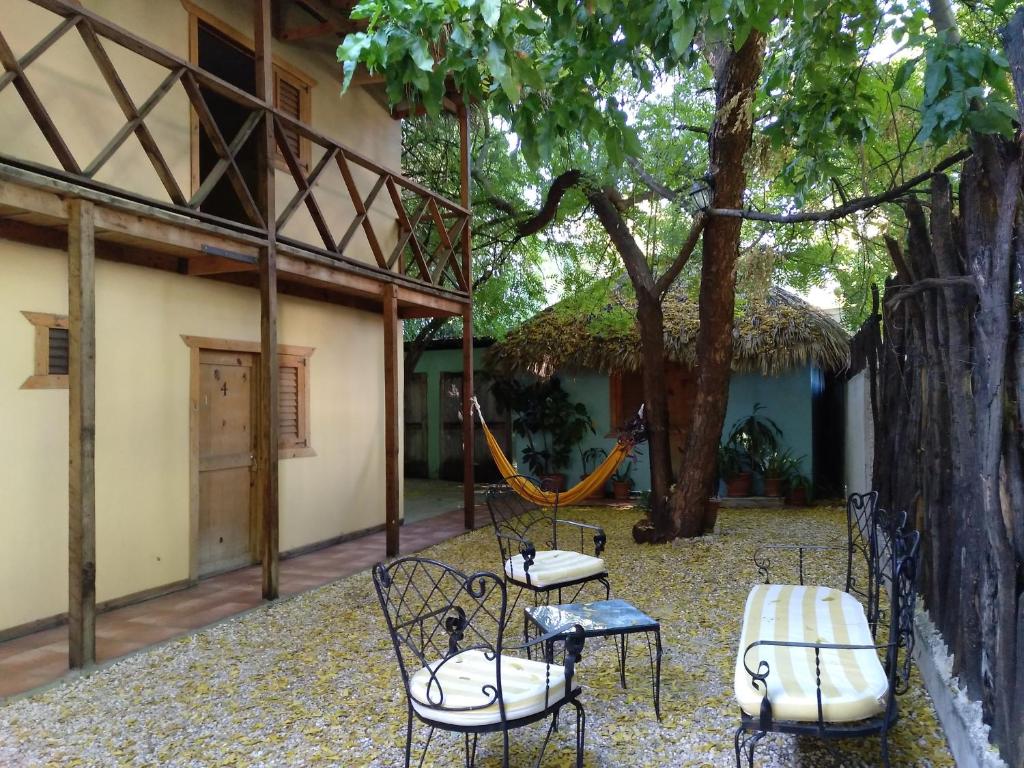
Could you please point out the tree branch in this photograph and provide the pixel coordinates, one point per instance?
(626, 245)
(703, 130)
(669, 276)
(538, 221)
(652, 183)
(855, 205)
(930, 283)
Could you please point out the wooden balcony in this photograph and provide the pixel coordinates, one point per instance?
(229, 218)
(421, 254)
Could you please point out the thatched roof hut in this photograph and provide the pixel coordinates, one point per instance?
(772, 335)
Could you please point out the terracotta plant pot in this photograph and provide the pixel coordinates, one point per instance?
(773, 486)
(797, 497)
(621, 489)
(710, 516)
(596, 495)
(553, 482)
(739, 485)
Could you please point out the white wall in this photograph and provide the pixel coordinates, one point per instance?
(859, 434)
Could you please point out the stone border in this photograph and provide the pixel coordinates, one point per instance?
(960, 716)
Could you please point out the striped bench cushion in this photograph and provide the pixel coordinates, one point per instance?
(527, 687)
(853, 683)
(553, 566)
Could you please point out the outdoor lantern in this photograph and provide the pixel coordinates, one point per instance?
(700, 194)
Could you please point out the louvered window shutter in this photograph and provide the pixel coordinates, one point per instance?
(292, 402)
(288, 405)
(57, 365)
(288, 98)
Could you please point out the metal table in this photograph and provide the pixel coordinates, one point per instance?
(604, 618)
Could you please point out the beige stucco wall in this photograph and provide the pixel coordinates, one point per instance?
(142, 438)
(80, 103)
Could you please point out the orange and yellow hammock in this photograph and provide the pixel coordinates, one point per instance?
(522, 486)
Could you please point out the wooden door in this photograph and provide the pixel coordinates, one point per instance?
(227, 460)
(451, 429)
(416, 426)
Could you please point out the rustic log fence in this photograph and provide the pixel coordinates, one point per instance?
(945, 350)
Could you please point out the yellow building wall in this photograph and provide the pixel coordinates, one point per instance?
(83, 109)
(142, 436)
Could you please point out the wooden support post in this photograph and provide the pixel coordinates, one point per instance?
(468, 494)
(268, 422)
(82, 435)
(391, 351)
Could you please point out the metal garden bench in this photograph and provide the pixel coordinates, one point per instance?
(808, 660)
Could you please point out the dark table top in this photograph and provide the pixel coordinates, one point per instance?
(598, 618)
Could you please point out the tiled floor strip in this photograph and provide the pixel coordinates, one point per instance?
(42, 657)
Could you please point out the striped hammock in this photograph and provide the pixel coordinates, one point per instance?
(522, 486)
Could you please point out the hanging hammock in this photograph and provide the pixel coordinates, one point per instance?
(590, 484)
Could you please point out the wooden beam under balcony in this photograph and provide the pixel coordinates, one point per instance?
(33, 209)
(392, 349)
(267, 444)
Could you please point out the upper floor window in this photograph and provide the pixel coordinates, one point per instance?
(227, 54)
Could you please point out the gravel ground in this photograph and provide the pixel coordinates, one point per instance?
(313, 680)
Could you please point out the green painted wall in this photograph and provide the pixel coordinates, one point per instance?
(786, 398)
(433, 363)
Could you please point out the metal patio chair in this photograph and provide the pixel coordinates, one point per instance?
(519, 523)
(836, 686)
(447, 629)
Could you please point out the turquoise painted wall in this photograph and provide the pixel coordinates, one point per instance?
(786, 400)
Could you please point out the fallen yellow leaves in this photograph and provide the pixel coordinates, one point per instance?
(312, 681)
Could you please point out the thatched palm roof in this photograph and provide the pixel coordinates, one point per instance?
(772, 335)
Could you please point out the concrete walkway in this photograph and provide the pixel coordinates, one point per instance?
(39, 658)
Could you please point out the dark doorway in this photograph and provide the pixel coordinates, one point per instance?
(229, 61)
(829, 433)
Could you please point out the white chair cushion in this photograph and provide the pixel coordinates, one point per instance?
(853, 683)
(554, 566)
(463, 677)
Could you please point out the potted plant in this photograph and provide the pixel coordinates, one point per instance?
(589, 459)
(757, 436)
(799, 489)
(550, 423)
(778, 468)
(622, 481)
(733, 469)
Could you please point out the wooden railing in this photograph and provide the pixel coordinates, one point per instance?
(430, 227)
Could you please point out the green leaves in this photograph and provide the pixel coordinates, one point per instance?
(683, 29)
(903, 74)
(491, 12)
(420, 54)
(965, 87)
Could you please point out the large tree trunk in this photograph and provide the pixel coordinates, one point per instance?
(737, 74)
